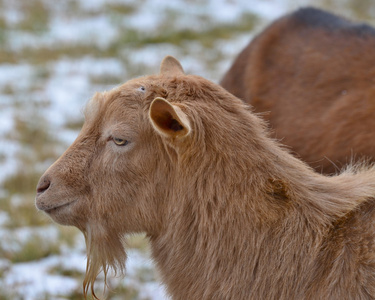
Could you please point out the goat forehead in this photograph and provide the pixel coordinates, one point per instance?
(133, 94)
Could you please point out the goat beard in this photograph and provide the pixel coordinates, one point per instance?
(105, 252)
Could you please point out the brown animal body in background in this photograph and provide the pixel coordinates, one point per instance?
(229, 214)
(312, 76)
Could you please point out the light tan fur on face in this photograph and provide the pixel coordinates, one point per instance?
(229, 214)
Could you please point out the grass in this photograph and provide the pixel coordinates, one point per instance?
(34, 248)
(36, 144)
(63, 271)
(35, 17)
(206, 36)
(138, 241)
(22, 182)
(109, 80)
(124, 292)
(120, 9)
(23, 213)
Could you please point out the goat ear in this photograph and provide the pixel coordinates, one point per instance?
(168, 119)
(171, 66)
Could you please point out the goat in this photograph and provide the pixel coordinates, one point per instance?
(311, 75)
(228, 212)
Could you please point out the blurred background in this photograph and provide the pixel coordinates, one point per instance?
(53, 56)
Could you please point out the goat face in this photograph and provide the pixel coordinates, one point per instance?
(112, 175)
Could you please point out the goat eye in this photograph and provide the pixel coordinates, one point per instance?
(142, 88)
(120, 142)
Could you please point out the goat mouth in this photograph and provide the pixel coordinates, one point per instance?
(56, 208)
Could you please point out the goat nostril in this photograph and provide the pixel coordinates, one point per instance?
(43, 185)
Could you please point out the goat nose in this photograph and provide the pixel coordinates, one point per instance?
(43, 185)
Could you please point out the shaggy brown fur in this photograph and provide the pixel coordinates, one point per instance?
(311, 75)
(228, 213)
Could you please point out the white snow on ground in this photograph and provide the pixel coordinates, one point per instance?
(69, 85)
(96, 30)
(33, 279)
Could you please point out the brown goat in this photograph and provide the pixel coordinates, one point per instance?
(312, 76)
(229, 214)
